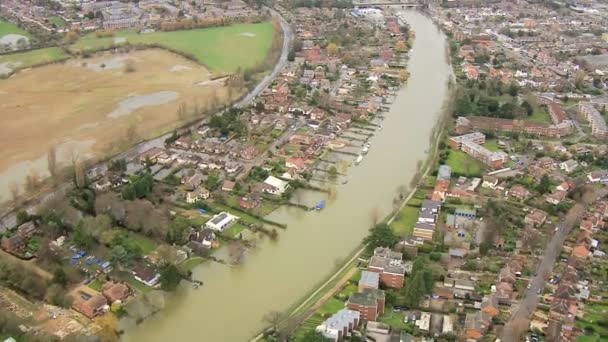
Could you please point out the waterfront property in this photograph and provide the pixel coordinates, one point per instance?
(221, 221)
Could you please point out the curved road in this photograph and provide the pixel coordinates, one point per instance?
(10, 220)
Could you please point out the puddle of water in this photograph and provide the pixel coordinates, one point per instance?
(87, 126)
(179, 67)
(7, 67)
(132, 103)
(112, 63)
(248, 34)
(17, 172)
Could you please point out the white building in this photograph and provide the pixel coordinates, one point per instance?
(339, 325)
(220, 221)
(275, 186)
(424, 322)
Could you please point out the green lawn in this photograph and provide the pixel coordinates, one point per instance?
(57, 21)
(332, 306)
(221, 49)
(137, 285)
(593, 314)
(492, 145)
(33, 57)
(146, 244)
(234, 230)
(191, 263)
(404, 222)
(95, 285)
(394, 319)
(8, 27)
(463, 164)
(539, 115)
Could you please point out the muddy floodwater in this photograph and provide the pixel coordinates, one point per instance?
(230, 305)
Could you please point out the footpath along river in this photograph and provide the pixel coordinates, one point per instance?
(231, 304)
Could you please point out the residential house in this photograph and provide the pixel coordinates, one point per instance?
(249, 152)
(275, 186)
(13, 244)
(115, 291)
(569, 165)
(504, 292)
(536, 218)
(338, 326)
(518, 191)
(556, 197)
(92, 307)
(249, 202)
(145, 274)
(580, 252)
(221, 221)
(369, 303)
(197, 195)
(476, 325)
(228, 185)
(201, 240)
(369, 280)
(490, 306)
(389, 265)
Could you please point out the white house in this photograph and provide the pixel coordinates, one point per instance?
(569, 165)
(220, 221)
(275, 186)
(197, 195)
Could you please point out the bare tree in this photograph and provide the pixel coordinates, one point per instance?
(132, 135)
(52, 162)
(236, 251)
(274, 318)
(15, 192)
(374, 215)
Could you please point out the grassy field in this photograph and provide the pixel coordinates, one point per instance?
(405, 220)
(539, 115)
(8, 27)
(463, 164)
(594, 313)
(146, 244)
(57, 21)
(95, 285)
(492, 145)
(34, 57)
(234, 230)
(221, 49)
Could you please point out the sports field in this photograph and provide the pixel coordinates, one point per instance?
(89, 106)
(8, 28)
(221, 49)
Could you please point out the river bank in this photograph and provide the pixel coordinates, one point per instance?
(336, 282)
(277, 272)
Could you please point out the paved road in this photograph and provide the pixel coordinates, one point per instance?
(518, 323)
(9, 219)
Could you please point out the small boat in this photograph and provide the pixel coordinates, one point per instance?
(365, 150)
(320, 205)
(380, 127)
(358, 160)
(345, 181)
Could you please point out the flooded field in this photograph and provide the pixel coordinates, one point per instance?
(89, 107)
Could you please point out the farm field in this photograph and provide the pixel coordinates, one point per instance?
(13, 62)
(91, 106)
(221, 49)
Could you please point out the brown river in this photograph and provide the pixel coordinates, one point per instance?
(277, 274)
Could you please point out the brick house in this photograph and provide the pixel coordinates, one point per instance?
(389, 265)
(369, 303)
(369, 280)
(519, 191)
(536, 218)
(115, 291)
(13, 244)
(92, 307)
